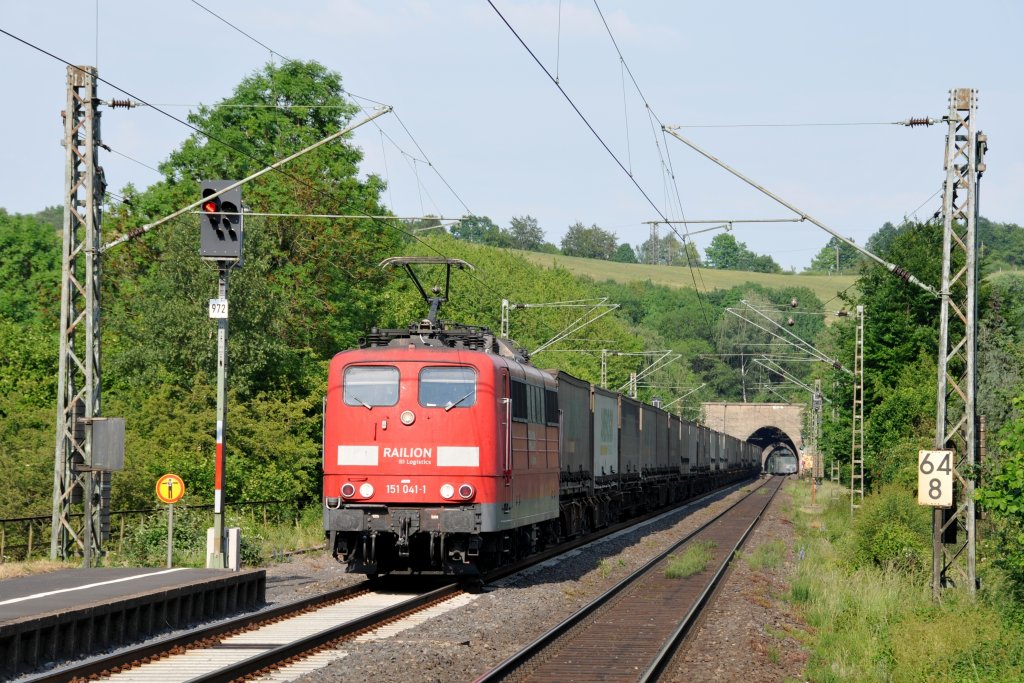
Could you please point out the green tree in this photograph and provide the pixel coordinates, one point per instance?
(727, 253)
(690, 256)
(524, 233)
(1000, 245)
(724, 252)
(28, 387)
(308, 286)
(29, 268)
(836, 250)
(666, 250)
(624, 254)
(1003, 496)
(592, 242)
(478, 229)
(881, 239)
(902, 319)
(759, 263)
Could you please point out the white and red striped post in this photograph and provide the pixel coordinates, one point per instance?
(216, 557)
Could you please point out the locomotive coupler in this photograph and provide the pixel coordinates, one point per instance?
(370, 548)
(402, 544)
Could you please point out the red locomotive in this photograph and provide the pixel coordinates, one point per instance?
(446, 451)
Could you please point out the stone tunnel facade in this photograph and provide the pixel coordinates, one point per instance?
(765, 424)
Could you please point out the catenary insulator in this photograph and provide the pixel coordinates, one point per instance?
(919, 121)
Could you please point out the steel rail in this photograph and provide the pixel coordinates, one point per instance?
(96, 666)
(664, 656)
(156, 649)
(265, 660)
(512, 664)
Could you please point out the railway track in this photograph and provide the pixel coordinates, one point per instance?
(259, 642)
(631, 632)
(304, 634)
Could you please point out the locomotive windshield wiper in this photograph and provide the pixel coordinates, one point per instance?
(361, 402)
(451, 404)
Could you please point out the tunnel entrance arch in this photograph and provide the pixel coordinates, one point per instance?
(769, 425)
(770, 438)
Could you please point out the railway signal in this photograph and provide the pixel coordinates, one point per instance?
(220, 221)
(220, 240)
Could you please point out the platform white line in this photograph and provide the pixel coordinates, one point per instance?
(91, 585)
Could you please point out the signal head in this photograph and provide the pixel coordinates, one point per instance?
(220, 221)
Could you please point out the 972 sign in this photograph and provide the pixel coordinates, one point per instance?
(935, 478)
(219, 308)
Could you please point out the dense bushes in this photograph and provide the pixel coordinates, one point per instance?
(890, 531)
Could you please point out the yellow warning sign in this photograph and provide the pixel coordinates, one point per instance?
(170, 488)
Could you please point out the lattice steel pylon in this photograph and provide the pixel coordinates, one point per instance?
(654, 246)
(857, 448)
(956, 410)
(78, 393)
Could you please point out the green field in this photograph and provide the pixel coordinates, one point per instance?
(824, 287)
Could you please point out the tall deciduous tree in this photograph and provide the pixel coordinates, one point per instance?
(478, 229)
(727, 253)
(592, 242)
(308, 285)
(724, 252)
(836, 256)
(524, 233)
(29, 268)
(624, 254)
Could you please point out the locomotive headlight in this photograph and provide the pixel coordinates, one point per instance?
(348, 490)
(466, 492)
(366, 490)
(447, 491)
(407, 417)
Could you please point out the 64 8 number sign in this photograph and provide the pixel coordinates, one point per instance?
(935, 478)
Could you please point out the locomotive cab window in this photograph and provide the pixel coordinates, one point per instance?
(447, 387)
(371, 385)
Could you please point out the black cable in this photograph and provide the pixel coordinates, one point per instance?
(397, 117)
(266, 47)
(140, 163)
(241, 152)
(596, 135)
(414, 141)
(321, 191)
(430, 164)
(793, 125)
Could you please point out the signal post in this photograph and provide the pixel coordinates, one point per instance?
(220, 241)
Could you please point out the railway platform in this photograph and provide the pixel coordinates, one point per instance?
(68, 614)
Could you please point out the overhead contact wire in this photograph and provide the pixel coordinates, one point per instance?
(391, 224)
(397, 146)
(652, 113)
(592, 130)
(394, 113)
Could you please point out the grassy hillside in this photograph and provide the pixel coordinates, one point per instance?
(825, 287)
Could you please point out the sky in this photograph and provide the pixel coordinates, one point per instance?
(799, 95)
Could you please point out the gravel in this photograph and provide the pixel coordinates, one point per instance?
(746, 637)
